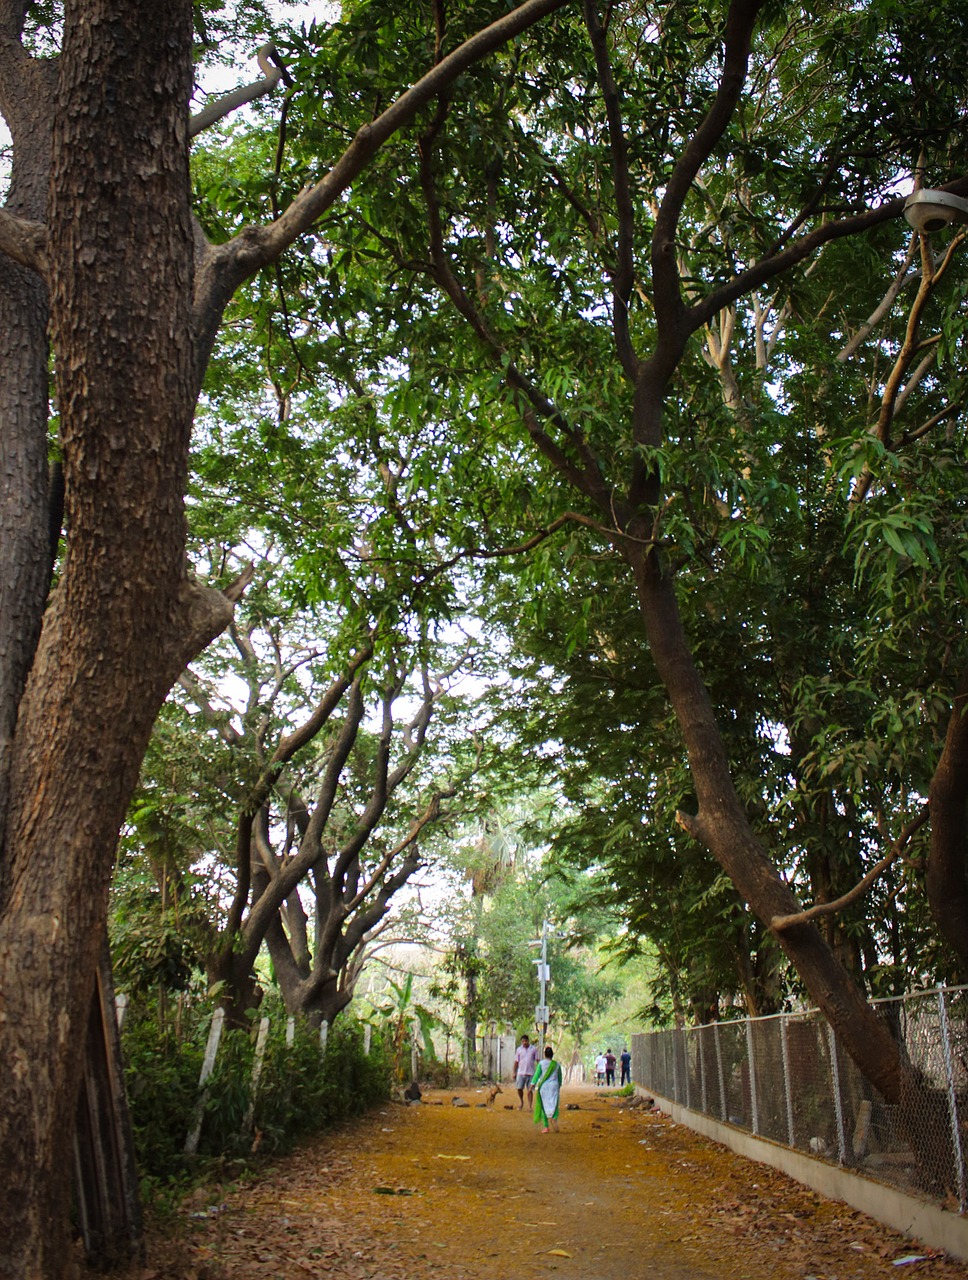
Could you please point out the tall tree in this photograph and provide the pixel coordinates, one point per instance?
(98, 226)
(600, 245)
(310, 816)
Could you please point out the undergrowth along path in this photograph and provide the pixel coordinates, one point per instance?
(443, 1192)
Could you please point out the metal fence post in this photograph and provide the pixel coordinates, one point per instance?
(686, 1040)
(838, 1099)
(952, 1099)
(754, 1101)
(702, 1070)
(722, 1077)
(676, 1032)
(787, 1090)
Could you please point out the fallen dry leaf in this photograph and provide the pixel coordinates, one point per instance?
(648, 1199)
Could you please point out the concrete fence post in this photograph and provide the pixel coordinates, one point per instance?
(259, 1059)
(208, 1064)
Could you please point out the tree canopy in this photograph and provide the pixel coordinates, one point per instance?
(627, 287)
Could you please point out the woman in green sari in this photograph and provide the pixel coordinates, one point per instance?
(547, 1090)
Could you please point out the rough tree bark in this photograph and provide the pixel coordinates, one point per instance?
(946, 878)
(133, 315)
(124, 618)
(26, 90)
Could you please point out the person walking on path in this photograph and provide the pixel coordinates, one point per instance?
(626, 1061)
(609, 1068)
(525, 1061)
(547, 1091)
(600, 1069)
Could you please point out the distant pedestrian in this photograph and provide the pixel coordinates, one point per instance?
(600, 1069)
(609, 1068)
(525, 1061)
(547, 1084)
(626, 1061)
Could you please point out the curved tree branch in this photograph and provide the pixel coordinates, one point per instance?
(670, 309)
(272, 73)
(779, 923)
(624, 276)
(226, 266)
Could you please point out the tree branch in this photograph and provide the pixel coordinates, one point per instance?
(272, 73)
(670, 309)
(902, 279)
(770, 267)
(226, 266)
(779, 923)
(624, 276)
(25, 242)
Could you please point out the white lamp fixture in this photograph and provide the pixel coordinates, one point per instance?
(929, 211)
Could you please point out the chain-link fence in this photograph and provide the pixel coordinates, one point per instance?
(786, 1078)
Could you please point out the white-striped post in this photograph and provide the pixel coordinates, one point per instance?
(260, 1053)
(208, 1064)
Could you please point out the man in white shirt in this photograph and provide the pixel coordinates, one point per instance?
(525, 1061)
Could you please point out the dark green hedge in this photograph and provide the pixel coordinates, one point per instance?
(301, 1090)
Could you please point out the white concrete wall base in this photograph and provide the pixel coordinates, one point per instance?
(919, 1219)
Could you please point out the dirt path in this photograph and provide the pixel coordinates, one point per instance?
(438, 1192)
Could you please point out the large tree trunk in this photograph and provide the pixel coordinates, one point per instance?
(25, 92)
(722, 826)
(946, 880)
(124, 618)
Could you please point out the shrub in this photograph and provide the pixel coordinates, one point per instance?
(301, 1091)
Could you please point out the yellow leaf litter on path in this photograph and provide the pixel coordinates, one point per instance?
(618, 1194)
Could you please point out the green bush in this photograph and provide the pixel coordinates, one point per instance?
(301, 1091)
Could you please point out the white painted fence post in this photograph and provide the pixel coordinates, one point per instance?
(260, 1053)
(208, 1063)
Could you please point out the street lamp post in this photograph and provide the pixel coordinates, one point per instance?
(541, 1009)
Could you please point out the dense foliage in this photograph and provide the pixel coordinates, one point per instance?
(557, 329)
(301, 1090)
